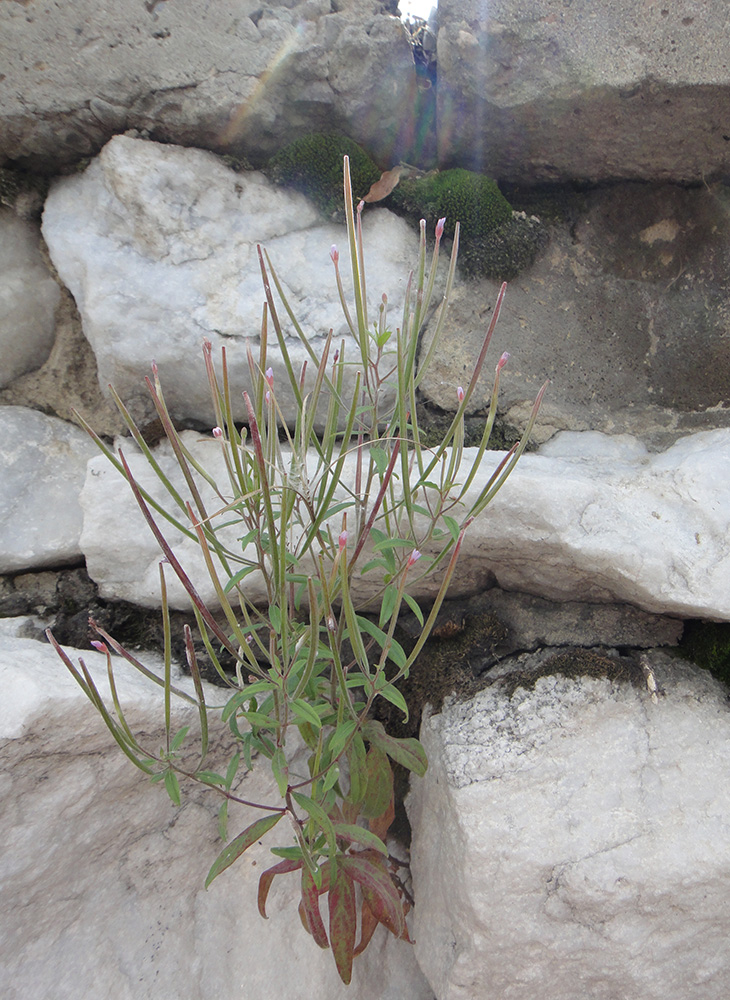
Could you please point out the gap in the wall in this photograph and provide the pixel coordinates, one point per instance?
(416, 8)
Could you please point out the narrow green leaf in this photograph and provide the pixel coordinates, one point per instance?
(356, 755)
(331, 777)
(173, 787)
(241, 843)
(393, 543)
(232, 769)
(178, 738)
(316, 813)
(340, 736)
(413, 605)
(275, 618)
(223, 821)
(379, 783)
(452, 525)
(393, 695)
(210, 777)
(388, 604)
(359, 835)
(303, 710)
(407, 752)
(280, 770)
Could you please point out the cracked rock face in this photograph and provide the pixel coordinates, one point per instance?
(103, 877)
(158, 245)
(233, 76)
(589, 518)
(571, 841)
(27, 321)
(553, 90)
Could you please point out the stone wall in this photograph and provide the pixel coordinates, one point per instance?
(608, 839)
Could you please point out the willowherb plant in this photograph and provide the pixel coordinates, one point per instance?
(314, 517)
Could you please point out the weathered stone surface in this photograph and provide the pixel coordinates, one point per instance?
(28, 299)
(43, 463)
(532, 622)
(626, 311)
(590, 518)
(571, 842)
(103, 876)
(158, 246)
(236, 77)
(553, 91)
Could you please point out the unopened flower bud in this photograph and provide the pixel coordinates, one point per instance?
(100, 646)
(414, 557)
(460, 393)
(270, 377)
(334, 253)
(267, 397)
(154, 368)
(217, 432)
(331, 623)
(440, 228)
(360, 207)
(343, 540)
(337, 356)
(502, 361)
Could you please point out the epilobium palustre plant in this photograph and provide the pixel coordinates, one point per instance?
(313, 517)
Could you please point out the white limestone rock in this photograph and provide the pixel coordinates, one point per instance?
(588, 518)
(28, 299)
(158, 246)
(43, 462)
(103, 877)
(572, 842)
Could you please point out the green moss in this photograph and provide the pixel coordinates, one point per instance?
(505, 252)
(313, 165)
(708, 645)
(459, 195)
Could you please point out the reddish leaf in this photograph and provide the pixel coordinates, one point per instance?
(268, 877)
(379, 825)
(240, 844)
(310, 901)
(379, 783)
(368, 869)
(368, 925)
(343, 922)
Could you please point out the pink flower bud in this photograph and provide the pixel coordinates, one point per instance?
(267, 397)
(360, 207)
(413, 557)
(343, 540)
(217, 432)
(270, 377)
(440, 228)
(502, 361)
(334, 253)
(337, 356)
(385, 299)
(460, 393)
(100, 646)
(154, 368)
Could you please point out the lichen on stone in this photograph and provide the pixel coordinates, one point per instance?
(573, 663)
